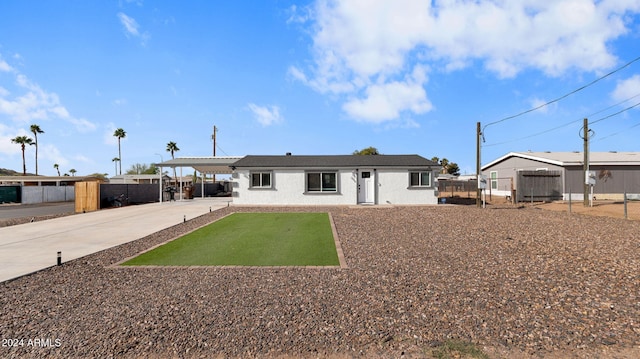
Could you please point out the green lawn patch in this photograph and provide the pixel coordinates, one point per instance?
(251, 239)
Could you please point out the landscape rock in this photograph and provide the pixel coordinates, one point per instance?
(517, 279)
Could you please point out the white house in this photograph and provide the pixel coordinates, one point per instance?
(335, 180)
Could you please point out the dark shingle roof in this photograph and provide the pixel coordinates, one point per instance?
(334, 161)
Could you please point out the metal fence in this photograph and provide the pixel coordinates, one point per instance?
(539, 186)
(457, 188)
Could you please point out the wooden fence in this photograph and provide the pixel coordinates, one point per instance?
(87, 196)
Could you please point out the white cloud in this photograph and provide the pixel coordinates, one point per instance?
(6, 134)
(53, 154)
(34, 104)
(626, 89)
(537, 102)
(266, 115)
(386, 101)
(132, 28)
(4, 66)
(130, 24)
(366, 46)
(298, 15)
(120, 101)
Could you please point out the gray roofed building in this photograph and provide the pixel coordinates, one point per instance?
(335, 161)
(335, 180)
(558, 175)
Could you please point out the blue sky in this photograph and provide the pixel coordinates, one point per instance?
(312, 77)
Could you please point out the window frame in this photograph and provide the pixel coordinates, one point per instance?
(420, 174)
(261, 176)
(322, 189)
(493, 176)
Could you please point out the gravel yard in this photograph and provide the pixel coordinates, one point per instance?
(517, 282)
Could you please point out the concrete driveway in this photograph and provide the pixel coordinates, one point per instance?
(34, 210)
(30, 247)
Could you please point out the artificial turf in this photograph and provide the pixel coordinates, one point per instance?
(251, 239)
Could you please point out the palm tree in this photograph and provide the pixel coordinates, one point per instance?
(73, 171)
(35, 129)
(57, 167)
(172, 147)
(116, 160)
(23, 141)
(119, 133)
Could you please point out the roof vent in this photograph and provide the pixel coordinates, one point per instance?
(288, 153)
(613, 151)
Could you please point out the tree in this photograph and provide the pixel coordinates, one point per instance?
(23, 141)
(142, 169)
(116, 160)
(453, 169)
(444, 163)
(57, 167)
(172, 147)
(119, 133)
(100, 176)
(73, 171)
(446, 166)
(35, 129)
(367, 151)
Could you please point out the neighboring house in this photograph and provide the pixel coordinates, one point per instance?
(554, 175)
(335, 180)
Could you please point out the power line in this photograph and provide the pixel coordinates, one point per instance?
(563, 96)
(617, 133)
(615, 114)
(570, 123)
(221, 150)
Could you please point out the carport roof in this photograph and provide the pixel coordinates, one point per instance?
(209, 165)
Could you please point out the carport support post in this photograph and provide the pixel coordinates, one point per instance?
(160, 186)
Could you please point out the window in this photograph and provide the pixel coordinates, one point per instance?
(494, 179)
(420, 179)
(261, 180)
(322, 182)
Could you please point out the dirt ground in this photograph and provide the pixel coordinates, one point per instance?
(599, 208)
(613, 209)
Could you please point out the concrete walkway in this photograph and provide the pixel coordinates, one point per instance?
(30, 247)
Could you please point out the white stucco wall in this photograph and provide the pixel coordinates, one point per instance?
(393, 188)
(289, 189)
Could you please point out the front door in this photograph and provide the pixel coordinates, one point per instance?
(366, 186)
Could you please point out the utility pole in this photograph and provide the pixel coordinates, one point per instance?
(478, 169)
(213, 137)
(585, 165)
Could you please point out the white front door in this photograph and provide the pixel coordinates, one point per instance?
(366, 186)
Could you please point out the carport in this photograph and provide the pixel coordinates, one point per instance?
(203, 165)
